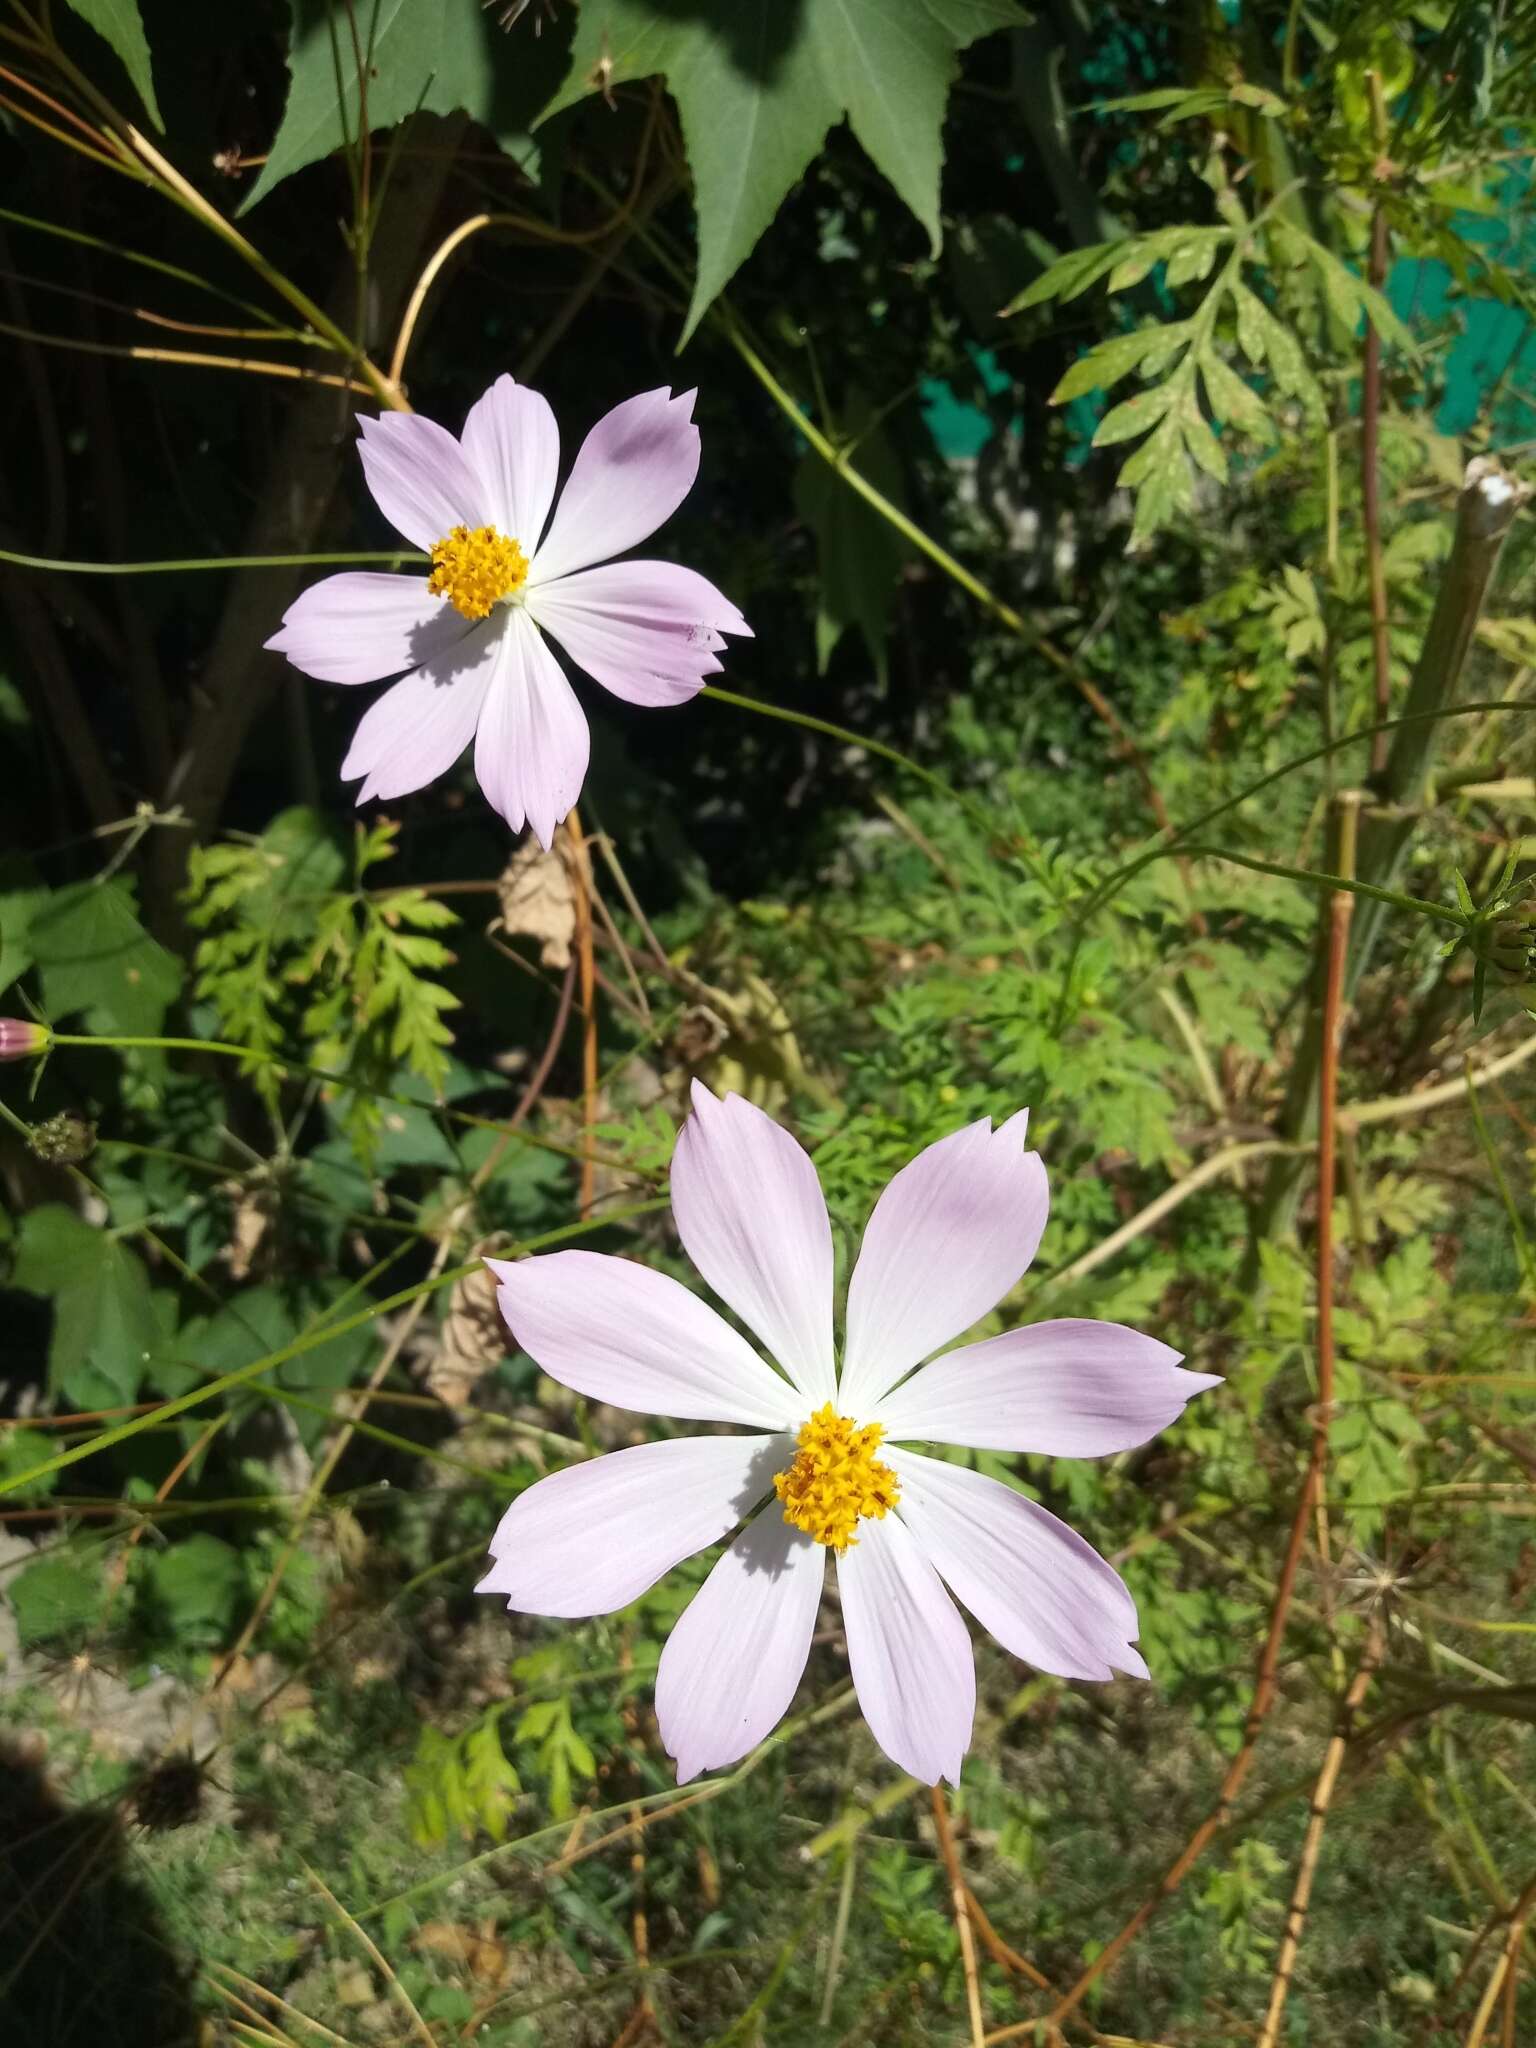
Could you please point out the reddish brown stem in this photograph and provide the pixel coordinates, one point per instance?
(1340, 908)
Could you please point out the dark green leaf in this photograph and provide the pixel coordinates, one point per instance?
(439, 57)
(859, 553)
(758, 87)
(55, 1598)
(118, 23)
(105, 1331)
(95, 956)
(196, 1586)
(22, 895)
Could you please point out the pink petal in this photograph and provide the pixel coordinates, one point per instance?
(647, 631)
(953, 1231)
(908, 1651)
(750, 1212)
(732, 1663)
(1030, 1581)
(420, 479)
(622, 1333)
(590, 1539)
(419, 728)
(1071, 1389)
(512, 444)
(532, 747)
(361, 626)
(632, 472)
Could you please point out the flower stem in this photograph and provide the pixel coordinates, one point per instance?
(1346, 883)
(387, 557)
(285, 1063)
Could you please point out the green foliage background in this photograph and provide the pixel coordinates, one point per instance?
(1031, 355)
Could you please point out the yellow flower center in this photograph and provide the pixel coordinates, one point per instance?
(836, 1480)
(475, 568)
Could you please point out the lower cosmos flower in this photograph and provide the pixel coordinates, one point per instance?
(472, 632)
(826, 1468)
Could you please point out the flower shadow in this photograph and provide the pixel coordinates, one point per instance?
(767, 1543)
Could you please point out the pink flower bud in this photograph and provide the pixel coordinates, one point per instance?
(20, 1040)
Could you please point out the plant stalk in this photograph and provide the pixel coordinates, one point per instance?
(1485, 512)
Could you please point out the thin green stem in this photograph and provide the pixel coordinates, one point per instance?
(310, 1341)
(837, 459)
(284, 1064)
(936, 782)
(1395, 897)
(328, 561)
(1179, 839)
(154, 263)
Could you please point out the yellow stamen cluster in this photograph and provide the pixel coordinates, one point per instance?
(836, 1481)
(475, 568)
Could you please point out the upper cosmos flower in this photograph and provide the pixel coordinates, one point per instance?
(950, 1236)
(472, 633)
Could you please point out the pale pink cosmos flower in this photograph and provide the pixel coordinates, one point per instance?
(950, 1236)
(473, 632)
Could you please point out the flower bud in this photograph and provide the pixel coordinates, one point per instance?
(1508, 942)
(20, 1040)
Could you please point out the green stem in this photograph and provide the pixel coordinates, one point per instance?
(392, 558)
(1395, 897)
(310, 1341)
(837, 459)
(1179, 839)
(285, 1064)
(864, 743)
(173, 270)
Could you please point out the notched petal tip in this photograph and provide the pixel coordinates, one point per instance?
(1015, 1126)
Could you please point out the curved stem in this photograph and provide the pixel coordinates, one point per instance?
(1395, 897)
(1180, 839)
(389, 558)
(865, 744)
(285, 1064)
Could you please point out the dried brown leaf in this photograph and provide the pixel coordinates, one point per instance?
(538, 900)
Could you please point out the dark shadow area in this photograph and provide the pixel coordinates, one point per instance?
(84, 1959)
(757, 34)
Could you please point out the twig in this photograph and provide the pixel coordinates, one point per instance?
(374, 1951)
(1339, 911)
(1001, 1951)
(1306, 1869)
(261, 1991)
(839, 1935)
(1264, 1692)
(327, 1466)
(1504, 1968)
(963, 1927)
